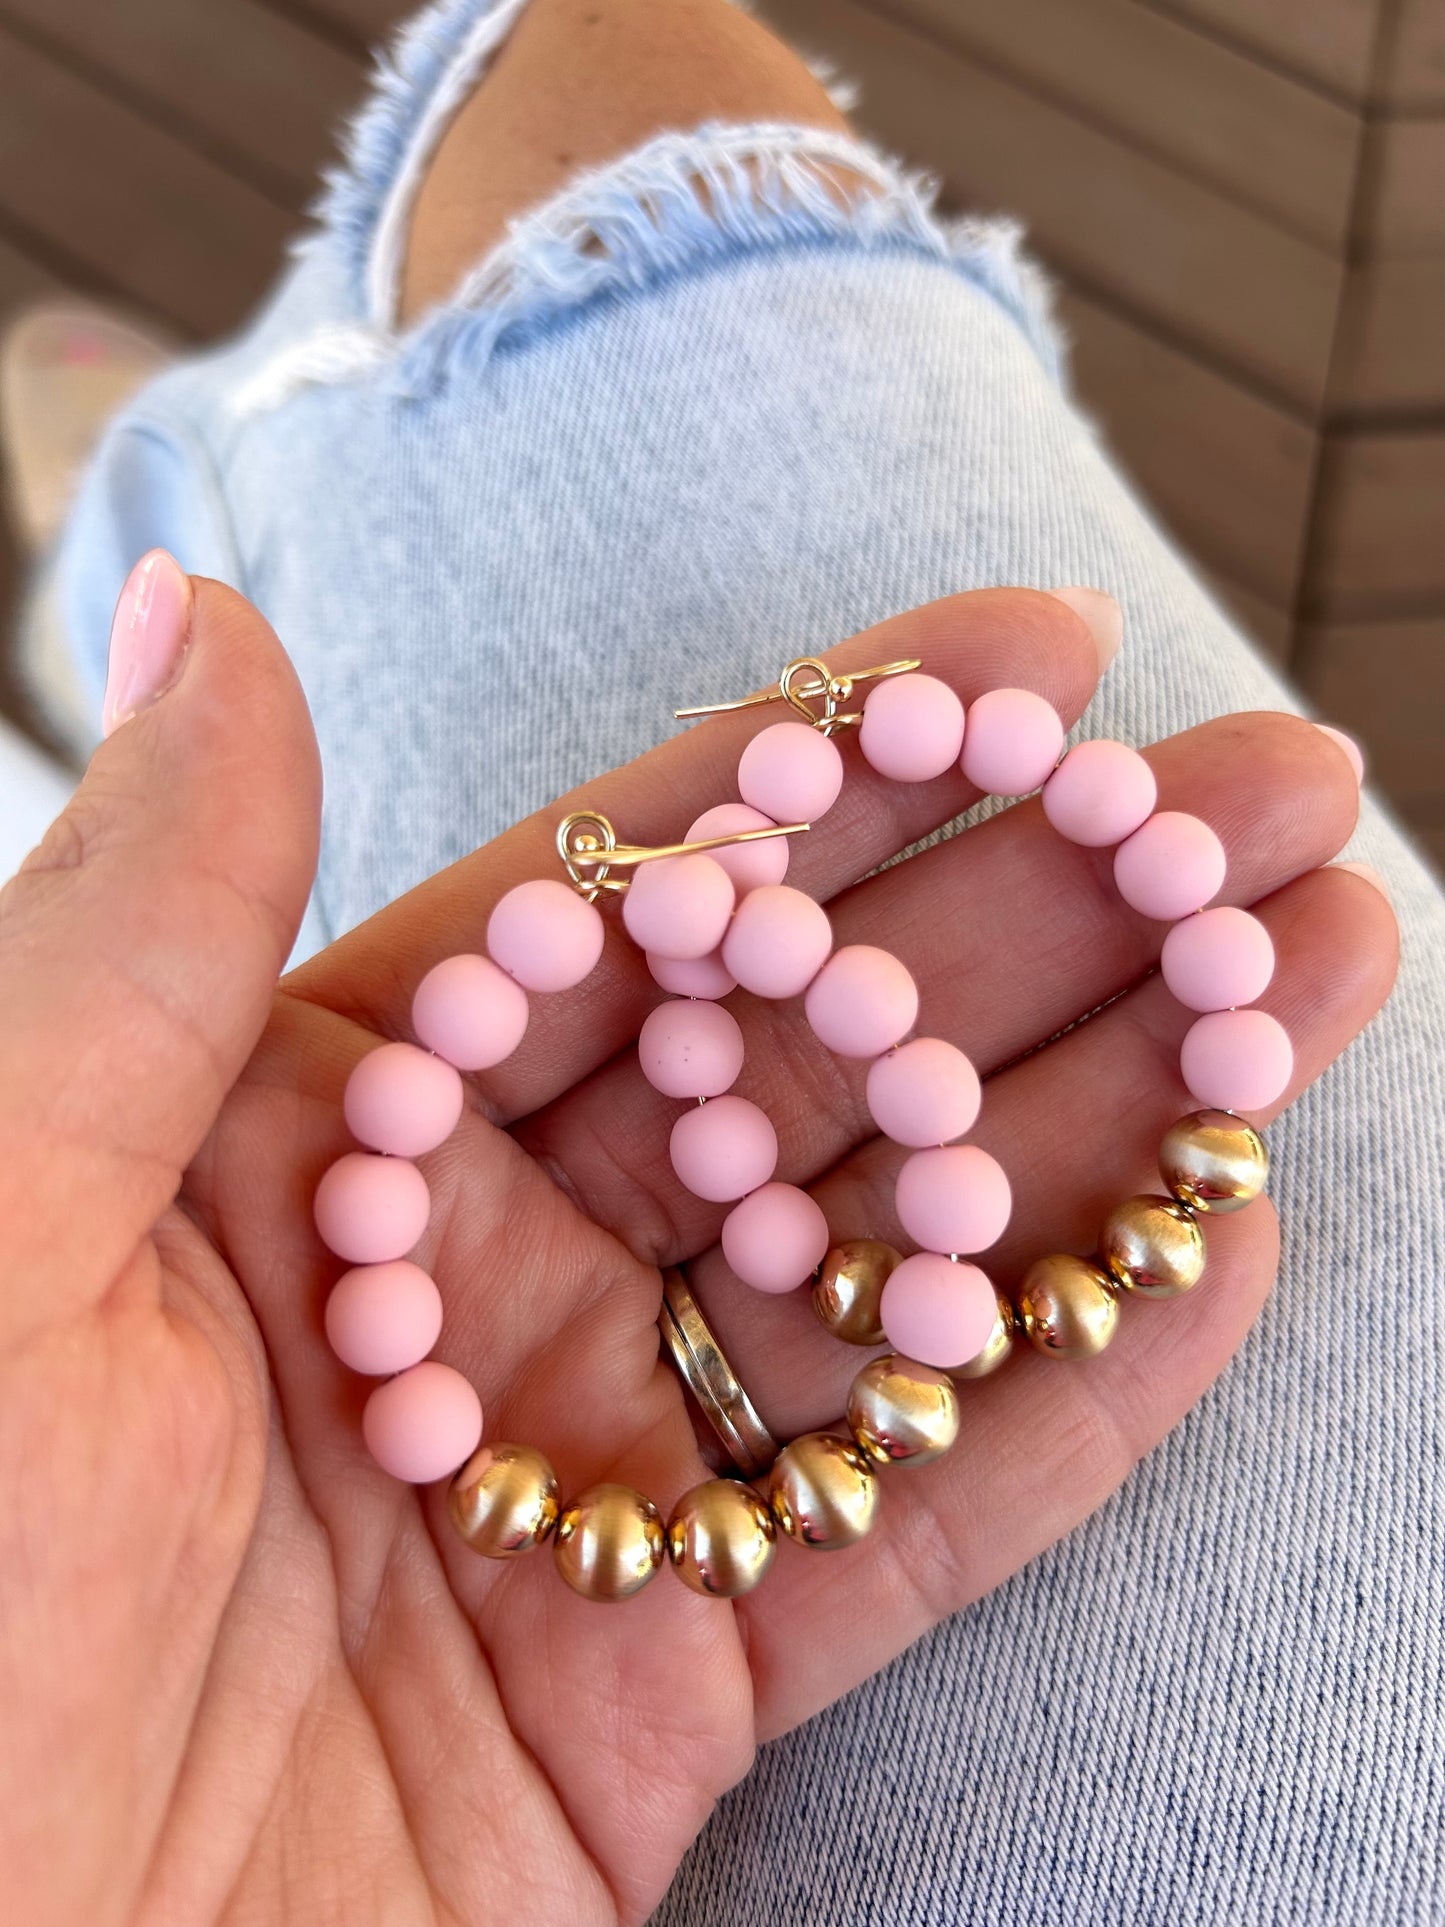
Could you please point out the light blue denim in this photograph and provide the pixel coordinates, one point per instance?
(602, 481)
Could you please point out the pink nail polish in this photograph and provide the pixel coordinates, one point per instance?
(1101, 612)
(148, 636)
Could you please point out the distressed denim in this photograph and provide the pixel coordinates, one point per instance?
(605, 478)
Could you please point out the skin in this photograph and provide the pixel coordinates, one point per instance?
(247, 1677)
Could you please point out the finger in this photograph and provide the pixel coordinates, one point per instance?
(1011, 933)
(140, 944)
(974, 642)
(1044, 1443)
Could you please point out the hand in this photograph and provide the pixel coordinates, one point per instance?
(248, 1676)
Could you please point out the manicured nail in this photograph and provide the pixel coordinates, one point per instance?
(1348, 745)
(1103, 615)
(147, 637)
(1369, 873)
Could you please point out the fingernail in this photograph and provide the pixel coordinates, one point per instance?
(1369, 873)
(1103, 615)
(147, 637)
(1351, 749)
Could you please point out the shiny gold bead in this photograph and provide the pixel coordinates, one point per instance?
(1068, 1307)
(1214, 1162)
(504, 1500)
(1152, 1246)
(823, 1491)
(721, 1538)
(849, 1288)
(901, 1412)
(609, 1542)
(999, 1347)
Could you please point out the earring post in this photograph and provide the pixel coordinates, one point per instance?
(837, 688)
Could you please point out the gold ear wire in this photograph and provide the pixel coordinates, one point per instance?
(588, 847)
(822, 683)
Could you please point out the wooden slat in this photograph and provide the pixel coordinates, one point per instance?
(135, 206)
(1328, 41)
(1260, 137)
(1405, 172)
(1415, 80)
(364, 22)
(1381, 512)
(1269, 627)
(1230, 474)
(1208, 273)
(1356, 675)
(1390, 355)
(21, 279)
(244, 82)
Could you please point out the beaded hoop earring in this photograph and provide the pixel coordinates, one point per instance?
(714, 912)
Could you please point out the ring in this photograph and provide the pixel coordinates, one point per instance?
(713, 1383)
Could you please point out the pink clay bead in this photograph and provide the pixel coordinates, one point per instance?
(791, 772)
(424, 1424)
(1217, 959)
(692, 976)
(679, 906)
(1100, 794)
(1011, 741)
(748, 864)
(469, 1012)
(382, 1318)
(1237, 1060)
(862, 1001)
(403, 1100)
(371, 1209)
(724, 1149)
(778, 941)
(1348, 745)
(689, 1049)
(924, 1093)
(775, 1238)
(938, 1312)
(545, 935)
(1172, 865)
(953, 1197)
(912, 728)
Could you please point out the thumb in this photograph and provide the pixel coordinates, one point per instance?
(141, 943)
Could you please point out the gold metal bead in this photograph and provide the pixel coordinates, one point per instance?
(999, 1347)
(721, 1538)
(1152, 1246)
(823, 1491)
(609, 1542)
(504, 1500)
(1068, 1307)
(1214, 1162)
(901, 1412)
(849, 1289)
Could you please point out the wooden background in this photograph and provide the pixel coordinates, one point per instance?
(1243, 201)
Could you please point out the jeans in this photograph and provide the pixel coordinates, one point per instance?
(653, 447)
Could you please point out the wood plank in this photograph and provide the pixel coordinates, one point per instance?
(1390, 353)
(1378, 548)
(366, 23)
(1328, 41)
(1415, 71)
(241, 82)
(1355, 675)
(1271, 629)
(1210, 274)
(1253, 133)
(1230, 474)
(131, 204)
(1405, 188)
(22, 279)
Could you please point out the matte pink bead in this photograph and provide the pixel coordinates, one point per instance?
(748, 864)
(775, 1238)
(1173, 865)
(403, 1100)
(1237, 1060)
(1348, 745)
(382, 1318)
(692, 976)
(862, 1001)
(1218, 958)
(791, 772)
(369, 1209)
(545, 935)
(689, 1049)
(953, 1197)
(679, 906)
(912, 728)
(938, 1312)
(923, 1093)
(778, 941)
(724, 1149)
(424, 1424)
(469, 1012)
(1011, 741)
(1100, 794)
